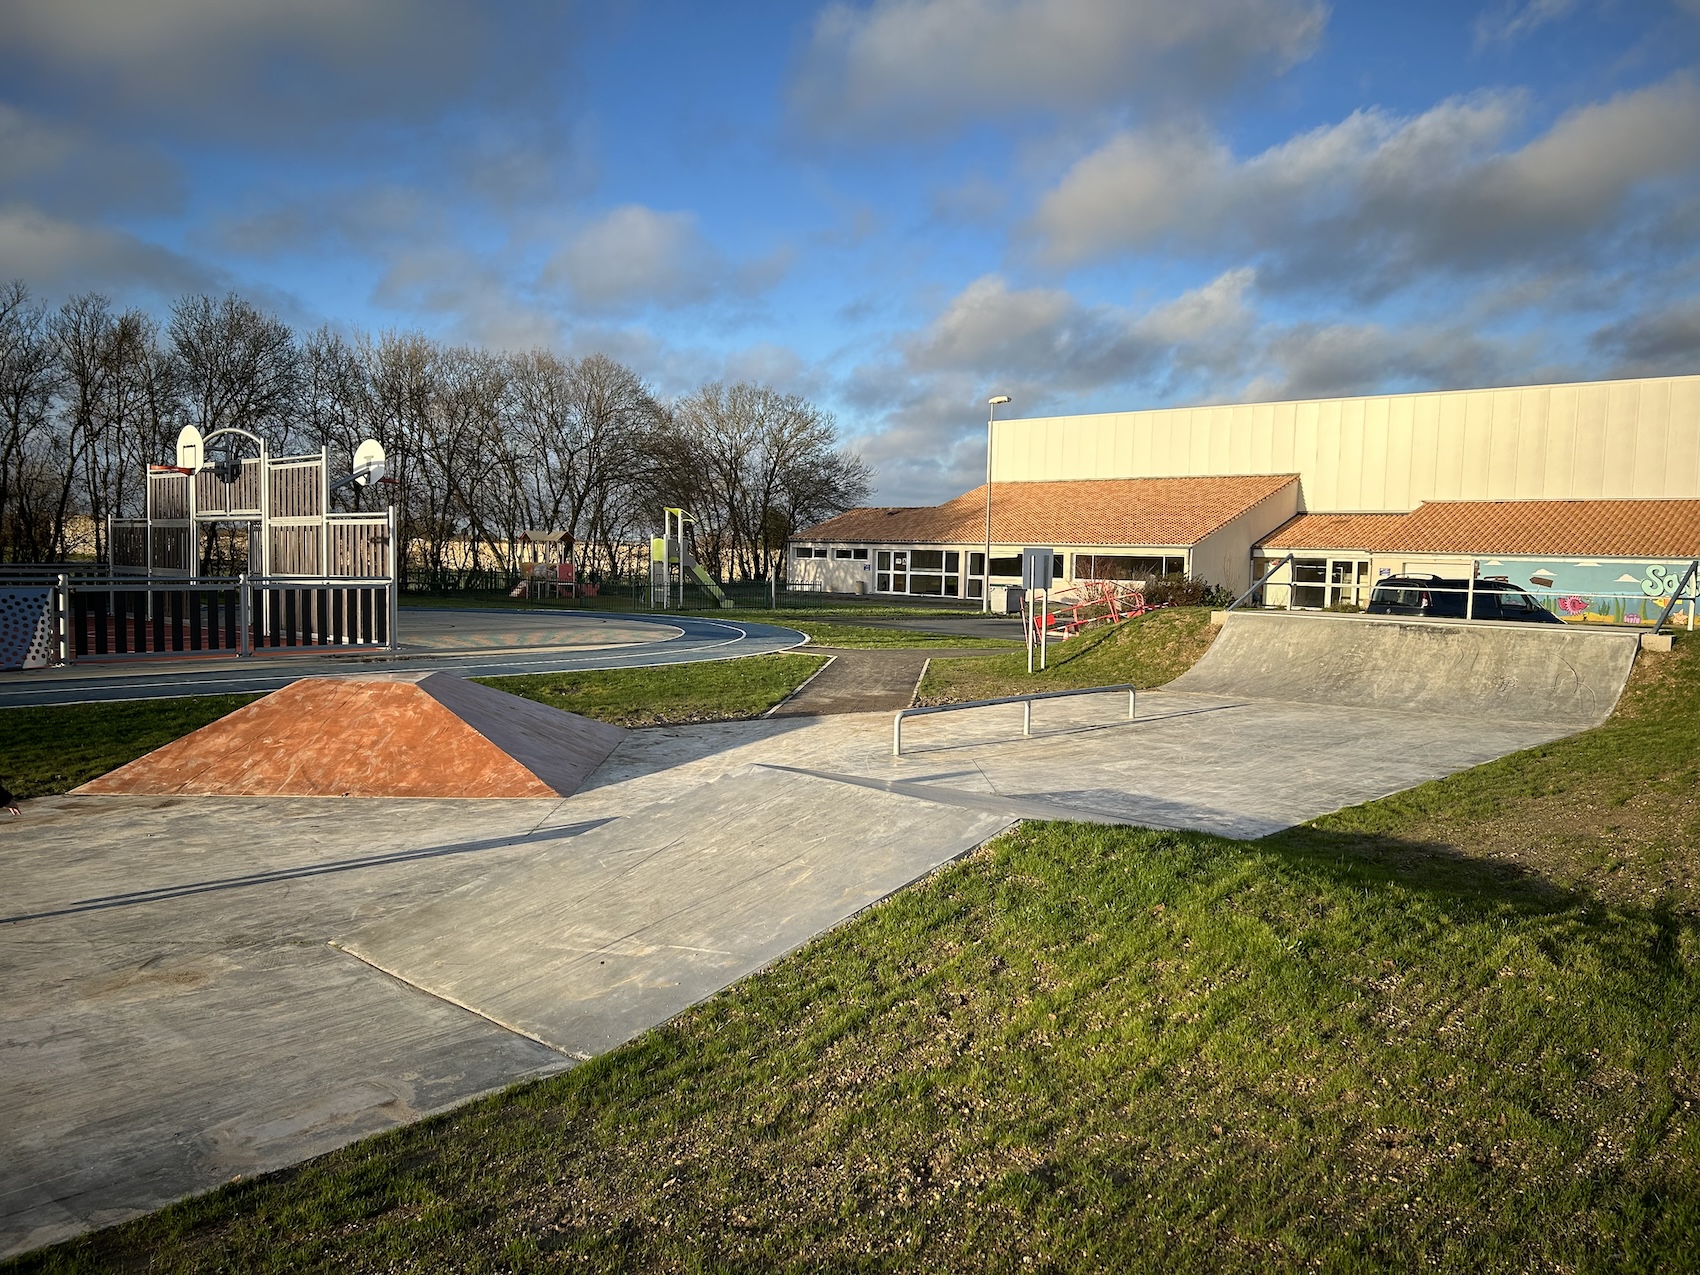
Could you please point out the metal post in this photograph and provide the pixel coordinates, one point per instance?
(62, 620)
(1044, 625)
(1027, 625)
(244, 617)
(394, 589)
(1130, 702)
(1470, 593)
(1027, 717)
(897, 735)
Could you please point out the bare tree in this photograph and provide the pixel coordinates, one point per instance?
(29, 382)
(757, 462)
(241, 368)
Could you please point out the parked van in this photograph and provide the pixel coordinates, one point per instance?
(1443, 598)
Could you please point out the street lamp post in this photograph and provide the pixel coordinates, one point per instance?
(992, 405)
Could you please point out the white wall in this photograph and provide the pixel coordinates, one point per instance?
(1391, 452)
(1224, 556)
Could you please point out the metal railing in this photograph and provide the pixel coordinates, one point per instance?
(1234, 605)
(1026, 701)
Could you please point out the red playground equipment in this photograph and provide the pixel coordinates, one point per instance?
(1089, 602)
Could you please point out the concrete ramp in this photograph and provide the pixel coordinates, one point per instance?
(388, 735)
(1568, 677)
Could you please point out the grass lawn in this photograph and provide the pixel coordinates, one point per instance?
(44, 751)
(672, 695)
(1386, 1040)
(1149, 651)
(873, 637)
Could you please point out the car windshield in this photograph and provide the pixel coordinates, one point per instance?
(1396, 597)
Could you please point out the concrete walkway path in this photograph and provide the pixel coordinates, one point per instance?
(864, 681)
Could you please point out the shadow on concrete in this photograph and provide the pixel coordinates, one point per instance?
(249, 880)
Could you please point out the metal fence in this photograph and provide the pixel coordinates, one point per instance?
(64, 618)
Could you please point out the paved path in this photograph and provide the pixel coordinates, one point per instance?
(199, 987)
(864, 681)
(448, 640)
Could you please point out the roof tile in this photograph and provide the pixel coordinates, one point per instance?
(1109, 512)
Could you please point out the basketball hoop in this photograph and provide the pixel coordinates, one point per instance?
(170, 469)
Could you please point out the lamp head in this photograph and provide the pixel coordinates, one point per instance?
(997, 399)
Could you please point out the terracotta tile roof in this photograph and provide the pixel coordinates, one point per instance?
(1587, 528)
(1109, 511)
(1332, 531)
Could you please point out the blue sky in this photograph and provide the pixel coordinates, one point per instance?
(895, 207)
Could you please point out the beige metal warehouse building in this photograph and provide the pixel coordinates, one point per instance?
(1576, 482)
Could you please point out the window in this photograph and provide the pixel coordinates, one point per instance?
(976, 565)
(1309, 576)
(860, 555)
(930, 572)
(1007, 567)
(1115, 566)
(843, 554)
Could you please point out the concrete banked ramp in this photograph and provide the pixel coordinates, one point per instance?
(386, 735)
(1567, 677)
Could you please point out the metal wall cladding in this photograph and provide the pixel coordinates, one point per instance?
(1593, 440)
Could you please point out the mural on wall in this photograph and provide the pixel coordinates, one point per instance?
(1590, 591)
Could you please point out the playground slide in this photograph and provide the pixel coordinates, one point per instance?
(707, 582)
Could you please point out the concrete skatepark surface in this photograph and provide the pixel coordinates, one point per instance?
(389, 735)
(433, 640)
(203, 986)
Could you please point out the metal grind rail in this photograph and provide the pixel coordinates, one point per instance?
(1026, 702)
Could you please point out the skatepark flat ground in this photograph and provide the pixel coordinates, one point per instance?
(200, 987)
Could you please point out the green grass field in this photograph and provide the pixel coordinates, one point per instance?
(672, 695)
(1456, 1029)
(1149, 651)
(872, 637)
(44, 751)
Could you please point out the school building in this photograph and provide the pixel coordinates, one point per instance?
(1584, 492)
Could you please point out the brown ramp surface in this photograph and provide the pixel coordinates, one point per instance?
(1564, 676)
(388, 735)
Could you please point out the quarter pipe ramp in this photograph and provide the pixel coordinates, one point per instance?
(1567, 677)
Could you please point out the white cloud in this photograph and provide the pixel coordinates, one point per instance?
(283, 69)
(58, 256)
(634, 256)
(1508, 21)
(924, 66)
(1378, 198)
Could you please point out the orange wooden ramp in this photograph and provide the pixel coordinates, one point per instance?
(388, 735)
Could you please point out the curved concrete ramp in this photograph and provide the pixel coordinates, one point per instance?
(1558, 676)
